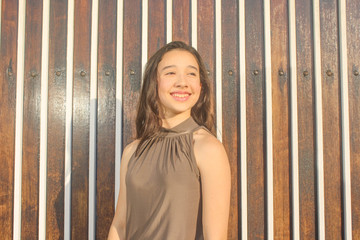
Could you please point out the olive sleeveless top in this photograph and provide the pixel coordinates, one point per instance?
(163, 188)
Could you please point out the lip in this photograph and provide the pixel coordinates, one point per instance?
(180, 96)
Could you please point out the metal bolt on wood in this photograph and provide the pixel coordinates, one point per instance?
(329, 73)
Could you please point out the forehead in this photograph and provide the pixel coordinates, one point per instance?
(178, 57)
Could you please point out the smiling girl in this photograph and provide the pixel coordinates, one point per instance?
(175, 178)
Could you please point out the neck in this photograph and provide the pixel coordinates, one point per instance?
(170, 122)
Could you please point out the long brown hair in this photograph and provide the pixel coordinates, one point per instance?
(148, 121)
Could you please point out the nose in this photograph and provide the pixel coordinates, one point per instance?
(181, 81)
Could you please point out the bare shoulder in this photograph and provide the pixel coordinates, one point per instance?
(129, 150)
(208, 148)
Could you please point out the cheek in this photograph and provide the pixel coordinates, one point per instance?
(197, 88)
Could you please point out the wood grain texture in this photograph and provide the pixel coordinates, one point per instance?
(31, 122)
(331, 119)
(156, 26)
(255, 112)
(56, 120)
(353, 38)
(81, 120)
(181, 25)
(280, 117)
(8, 63)
(206, 39)
(131, 67)
(230, 104)
(105, 162)
(306, 119)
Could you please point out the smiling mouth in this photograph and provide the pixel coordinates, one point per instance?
(180, 96)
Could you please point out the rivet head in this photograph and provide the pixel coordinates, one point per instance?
(230, 72)
(356, 72)
(256, 72)
(82, 73)
(10, 73)
(306, 73)
(107, 73)
(208, 72)
(132, 72)
(329, 73)
(33, 74)
(58, 73)
(281, 73)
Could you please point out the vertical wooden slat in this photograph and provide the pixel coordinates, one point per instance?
(144, 33)
(345, 134)
(194, 23)
(44, 119)
(31, 122)
(56, 120)
(230, 100)
(331, 119)
(169, 20)
(294, 135)
(181, 24)
(243, 193)
(105, 162)
(280, 100)
(157, 28)
(119, 94)
(269, 187)
(81, 120)
(255, 118)
(306, 120)
(132, 67)
(206, 38)
(218, 74)
(8, 61)
(353, 40)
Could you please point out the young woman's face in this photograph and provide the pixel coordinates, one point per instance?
(178, 83)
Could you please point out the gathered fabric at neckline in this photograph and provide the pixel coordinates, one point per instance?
(186, 126)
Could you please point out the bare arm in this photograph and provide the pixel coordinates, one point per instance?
(118, 225)
(214, 168)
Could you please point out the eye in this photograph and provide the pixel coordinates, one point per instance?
(170, 73)
(193, 74)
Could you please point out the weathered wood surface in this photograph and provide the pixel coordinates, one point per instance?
(206, 44)
(131, 79)
(81, 120)
(131, 68)
(8, 70)
(255, 122)
(56, 120)
(31, 122)
(230, 103)
(181, 21)
(156, 26)
(331, 118)
(353, 38)
(280, 117)
(105, 154)
(306, 119)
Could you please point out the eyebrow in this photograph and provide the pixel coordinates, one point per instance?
(170, 66)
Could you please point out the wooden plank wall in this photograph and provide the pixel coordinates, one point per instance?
(286, 80)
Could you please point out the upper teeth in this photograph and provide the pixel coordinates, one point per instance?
(180, 95)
